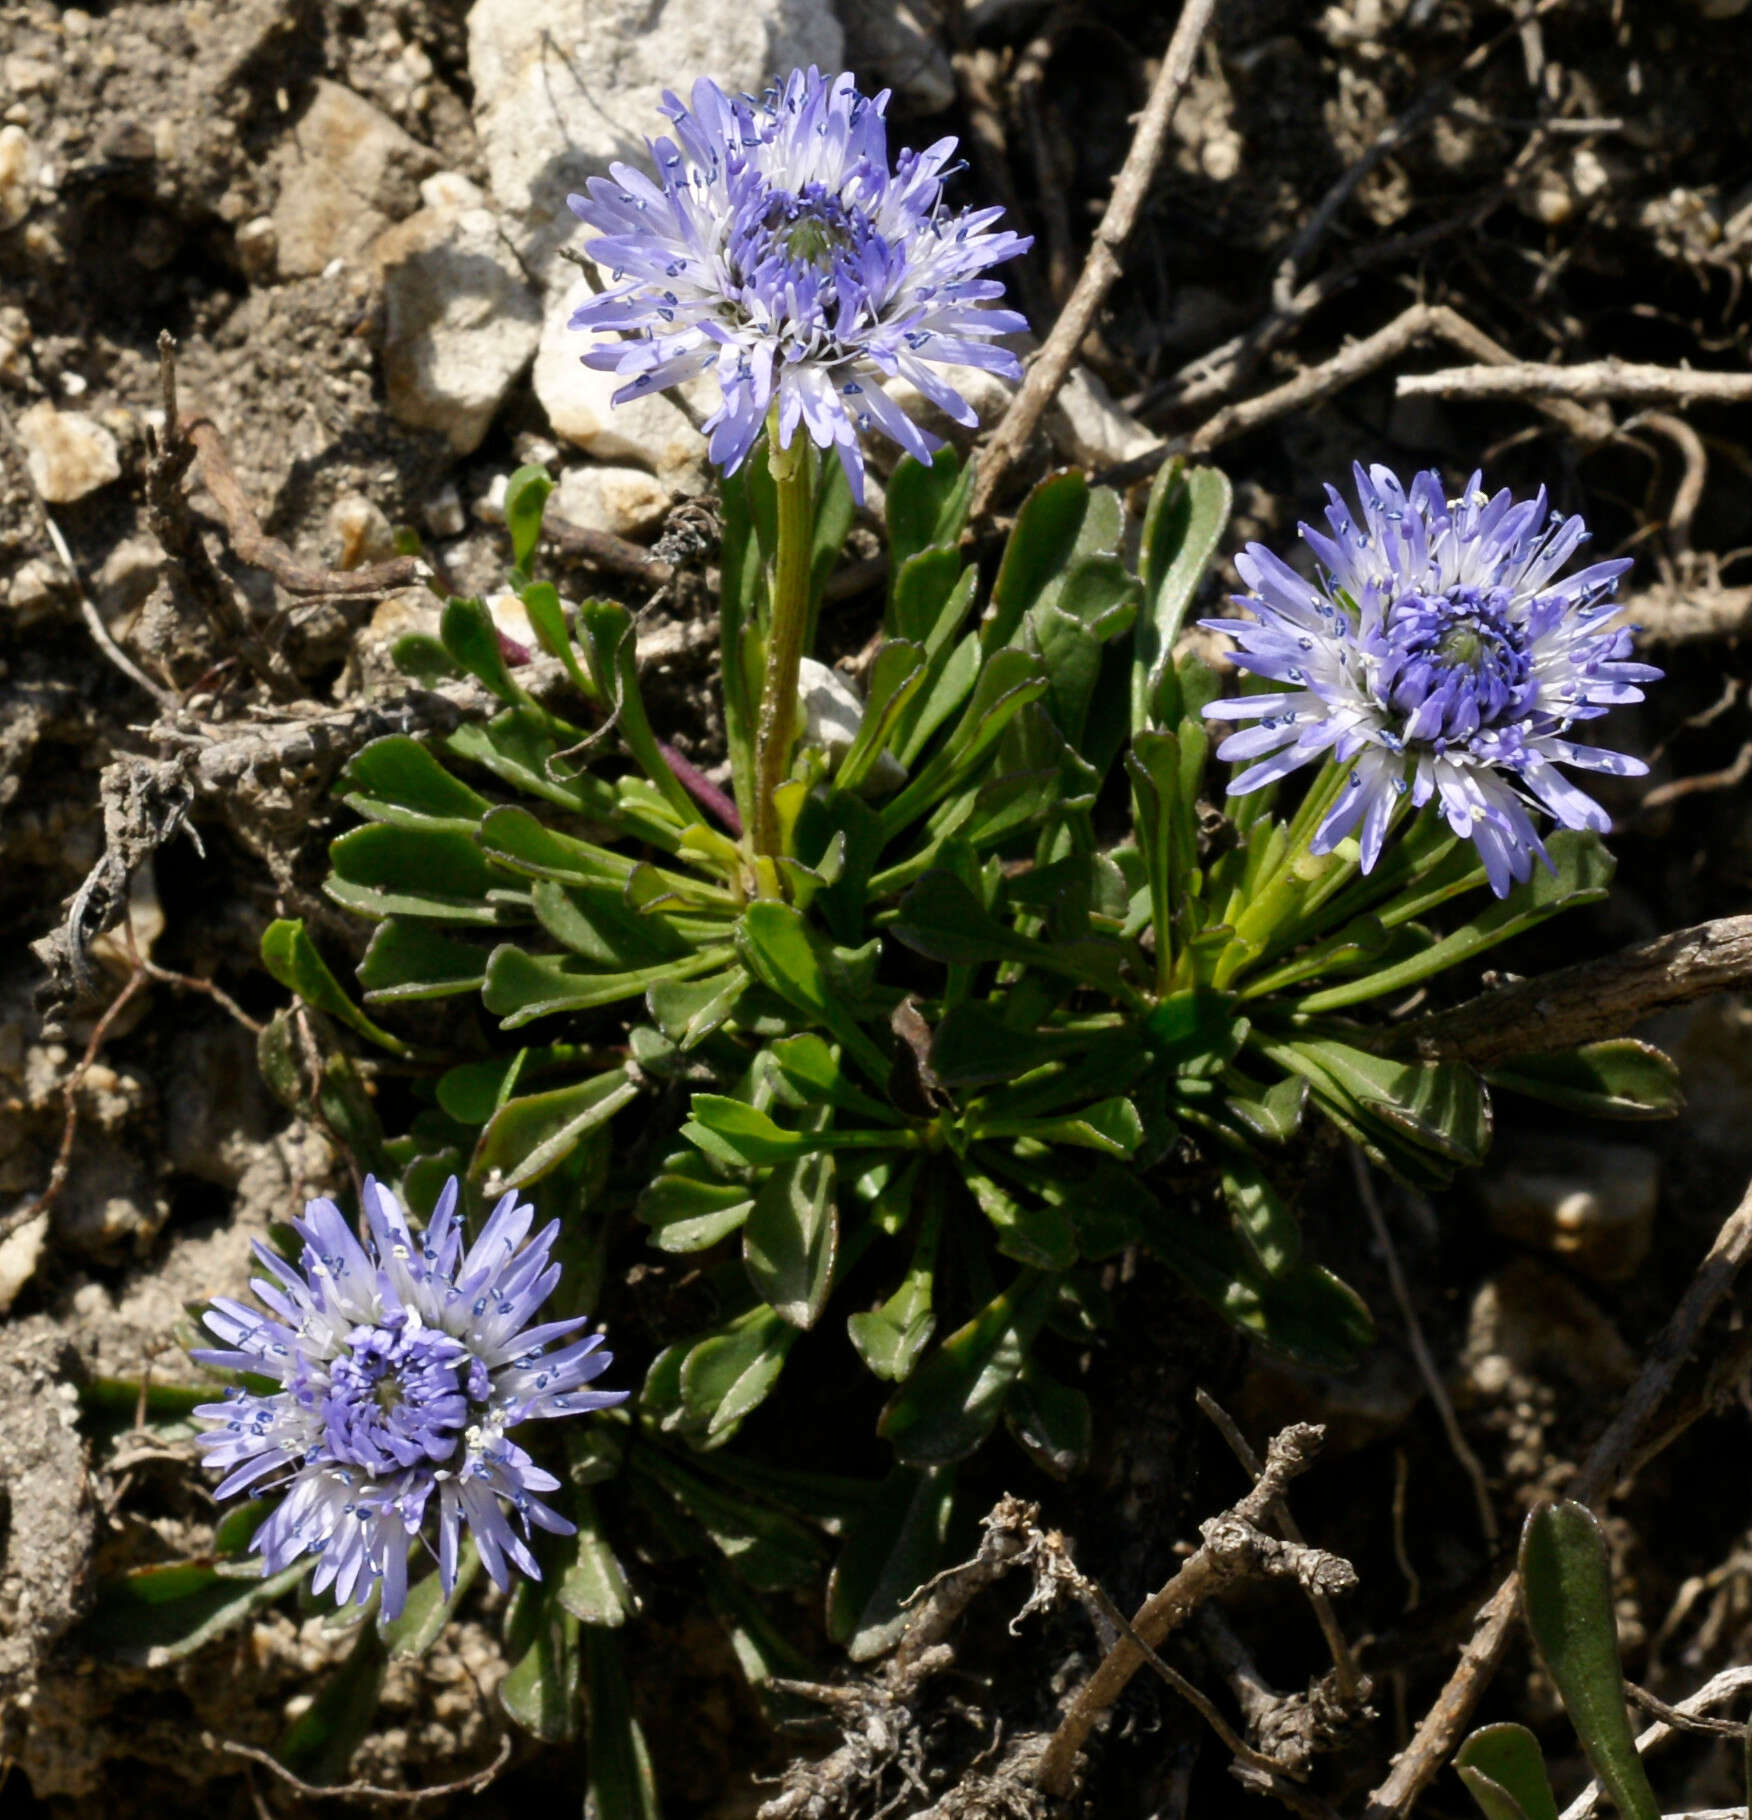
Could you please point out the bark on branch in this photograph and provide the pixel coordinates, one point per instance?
(1587, 1002)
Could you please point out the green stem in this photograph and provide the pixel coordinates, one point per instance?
(786, 632)
(1278, 895)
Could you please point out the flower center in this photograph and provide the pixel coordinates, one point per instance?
(812, 228)
(401, 1394)
(1453, 662)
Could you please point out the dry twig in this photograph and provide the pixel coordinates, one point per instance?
(1352, 1684)
(1102, 267)
(1586, 1002)
(364, 1791)
(252, 545)
(1233, 1548)
(1444, 1723)
(1356, 360)
(173, 524)
(1680, 613)
(877, 1714)
(1588, 382)
(606, 551)
(1685, 1716)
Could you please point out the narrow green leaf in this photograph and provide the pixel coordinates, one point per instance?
(790, 1241)
(1052, 1422)
(1186, 516)
(689, 1209)
(527, 1137)
(472, 639)
(772, 1549)
(589, 1580)
(547, 614)
(157, 1615)
(428, 1608)
(894, 680)
(926, 505)
(443, 876)
(788, 957)
(1620, 1078)
(521, 987)
(1042, 542)
(688, 1011)
(953, 1401)
(606, 632)
(423, 659)
(1306, 1313)
(1007, 682)
(1566, 1596)
(521, 747)
(620, 1783)
(291, 957)
(407, 959)
(540, 1693)
(1031, 1233)
(1440, 1107)
(891, 1549)
(596, 921)
(1260, 1215)
(1583, 872)
(729, 1373)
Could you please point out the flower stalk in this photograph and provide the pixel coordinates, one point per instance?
(793, 472)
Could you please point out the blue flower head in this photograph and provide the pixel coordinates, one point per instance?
(1439, 656)
(779, 250)
(402, 1363)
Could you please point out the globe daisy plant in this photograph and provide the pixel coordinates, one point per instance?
(402, 1363)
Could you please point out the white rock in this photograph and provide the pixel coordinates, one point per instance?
(70, 454)
(443, 512)
(833, 711)
(17, 172)
(624, 501)
(346, 173)
(489, 508)
(564, 87)
(1087, 426)
(890, 44)
(652, 431)
(460, 322)
(511, 620)
(130, 572)
(258, 249)
(451, 190)
(19, 1253)
(35, 590)
(29, 75)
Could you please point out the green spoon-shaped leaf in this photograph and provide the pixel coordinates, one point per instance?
(1504, 1771)
(1566, 1593)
